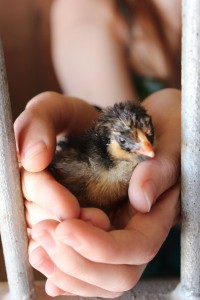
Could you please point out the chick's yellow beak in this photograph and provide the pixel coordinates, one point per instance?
(146, 147)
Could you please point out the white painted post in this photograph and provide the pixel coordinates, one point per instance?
(189, 287)
(12, 223)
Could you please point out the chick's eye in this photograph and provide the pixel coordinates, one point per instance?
(122, 140)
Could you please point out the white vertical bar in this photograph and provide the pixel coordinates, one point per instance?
(12, 223)
(190, 237)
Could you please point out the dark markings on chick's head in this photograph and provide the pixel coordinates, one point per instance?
(122, 121)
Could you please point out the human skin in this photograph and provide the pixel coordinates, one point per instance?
(59, 227)
(56, 219)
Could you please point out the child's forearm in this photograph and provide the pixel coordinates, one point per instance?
(88, 51)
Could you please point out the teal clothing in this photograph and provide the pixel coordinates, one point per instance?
(167, 262)
(146, 86)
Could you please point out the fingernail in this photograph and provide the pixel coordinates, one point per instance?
(52, 290)
(34, 149)
(149, 193)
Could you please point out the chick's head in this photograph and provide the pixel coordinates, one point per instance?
(128, 131)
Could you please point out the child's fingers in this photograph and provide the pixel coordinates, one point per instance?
(52, 290)
(74, 286)
(95, 217)
(42, 189)
(45, 116)
(47, 199)
(137, 244)
(36, 214)
(81, 272)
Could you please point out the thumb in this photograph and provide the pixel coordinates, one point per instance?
(150, 179)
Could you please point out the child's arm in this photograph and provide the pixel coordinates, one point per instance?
(89, 51)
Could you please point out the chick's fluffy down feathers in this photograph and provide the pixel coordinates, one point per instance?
(97, 166)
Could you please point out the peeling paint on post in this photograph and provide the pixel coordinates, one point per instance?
(12, 222)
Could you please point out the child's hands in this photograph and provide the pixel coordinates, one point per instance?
(83, 259)
(46, 116)
(100, 251)
(50, 114)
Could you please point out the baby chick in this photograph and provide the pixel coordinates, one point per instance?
(97, 167)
